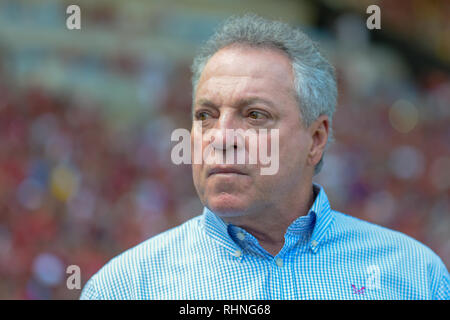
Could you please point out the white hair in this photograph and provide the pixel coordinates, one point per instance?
(314, 76)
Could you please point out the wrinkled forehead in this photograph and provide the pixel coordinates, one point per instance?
(246, 70)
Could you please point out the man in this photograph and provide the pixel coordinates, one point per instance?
(269, 236)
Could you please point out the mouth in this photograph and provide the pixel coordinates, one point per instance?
(225, 171)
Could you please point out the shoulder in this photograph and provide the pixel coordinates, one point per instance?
(117, 278)
(392, 249)
(355, 229)
(173, 240)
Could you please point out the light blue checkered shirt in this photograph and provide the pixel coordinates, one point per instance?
(326, 255)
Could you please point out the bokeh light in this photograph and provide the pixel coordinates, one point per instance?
(403, 116)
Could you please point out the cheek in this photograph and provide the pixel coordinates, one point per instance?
(293, 149)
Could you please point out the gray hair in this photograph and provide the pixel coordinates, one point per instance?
(314, 76)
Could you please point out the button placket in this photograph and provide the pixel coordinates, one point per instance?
(279, 262)
(314, 245)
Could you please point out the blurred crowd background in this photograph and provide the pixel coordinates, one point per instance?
(86, 117)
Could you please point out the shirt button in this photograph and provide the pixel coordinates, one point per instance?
(237, 253)
(314, 243)
(240, 236)
(279, 262)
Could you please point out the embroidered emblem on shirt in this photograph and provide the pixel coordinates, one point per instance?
(358, 291)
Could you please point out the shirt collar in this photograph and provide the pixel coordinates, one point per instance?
(324, 217)
(218, 229)
(319, 219)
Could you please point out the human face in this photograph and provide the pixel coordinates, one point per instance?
(250, 88)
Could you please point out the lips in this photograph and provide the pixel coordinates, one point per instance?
(225, 170)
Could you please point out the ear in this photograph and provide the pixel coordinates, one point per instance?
(318, 131)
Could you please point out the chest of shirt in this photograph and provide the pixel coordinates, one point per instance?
(298, 276)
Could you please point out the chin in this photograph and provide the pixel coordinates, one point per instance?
(227, 205)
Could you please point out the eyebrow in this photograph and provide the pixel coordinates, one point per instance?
(206, 103)
(240, 103)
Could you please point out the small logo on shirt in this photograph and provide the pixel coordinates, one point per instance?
(358, 291)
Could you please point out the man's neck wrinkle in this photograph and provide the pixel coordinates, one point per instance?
(270, 230)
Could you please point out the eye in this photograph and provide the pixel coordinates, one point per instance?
(202, 115)
(256, 115)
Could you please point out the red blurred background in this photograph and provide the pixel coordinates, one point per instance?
(86, 117)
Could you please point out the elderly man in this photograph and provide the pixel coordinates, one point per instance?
(269, 236)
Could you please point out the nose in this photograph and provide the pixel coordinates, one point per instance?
(223, 137)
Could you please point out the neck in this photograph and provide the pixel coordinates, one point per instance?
(269, 226)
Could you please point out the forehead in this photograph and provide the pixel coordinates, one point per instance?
(234, 72)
